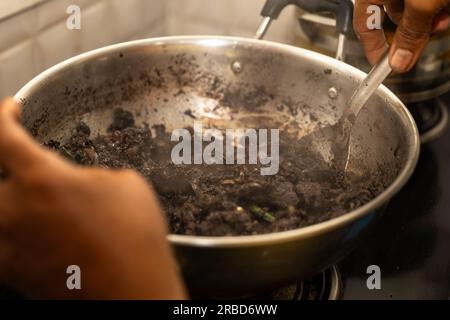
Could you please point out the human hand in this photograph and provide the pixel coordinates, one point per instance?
(54, 214)
(416, 21)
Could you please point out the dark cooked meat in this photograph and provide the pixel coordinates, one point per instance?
(221, 200)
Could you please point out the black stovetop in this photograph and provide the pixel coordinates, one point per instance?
(411, 245)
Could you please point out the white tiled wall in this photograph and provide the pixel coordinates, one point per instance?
(225, 17)
(38, 38)
(8, 7)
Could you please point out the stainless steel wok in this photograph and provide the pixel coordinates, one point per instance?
(159, 79)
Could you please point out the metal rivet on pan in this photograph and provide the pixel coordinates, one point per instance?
(236, 66)
(332, 93)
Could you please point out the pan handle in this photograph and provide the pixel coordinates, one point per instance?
(342, 9)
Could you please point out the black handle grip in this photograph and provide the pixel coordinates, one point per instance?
(342, 9)
(344, 17)
(273, 8)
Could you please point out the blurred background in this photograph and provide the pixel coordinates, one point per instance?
(34, 35)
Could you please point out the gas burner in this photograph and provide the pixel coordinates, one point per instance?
(431, 118)
(324, 286)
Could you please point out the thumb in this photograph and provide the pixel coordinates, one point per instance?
(412, 35)
(18, 151)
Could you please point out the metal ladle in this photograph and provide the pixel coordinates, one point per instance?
(333, 142)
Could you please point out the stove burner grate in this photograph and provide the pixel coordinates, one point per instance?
(324, 286)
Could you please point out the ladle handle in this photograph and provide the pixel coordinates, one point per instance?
(370, 84)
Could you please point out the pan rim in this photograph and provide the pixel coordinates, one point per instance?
(276, 237)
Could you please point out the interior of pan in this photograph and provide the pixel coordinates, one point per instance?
(223, 82)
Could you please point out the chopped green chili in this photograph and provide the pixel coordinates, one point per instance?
(66, 153)
(261, 213)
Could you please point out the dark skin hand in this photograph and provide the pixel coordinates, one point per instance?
(54, 214)
(416, 20)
